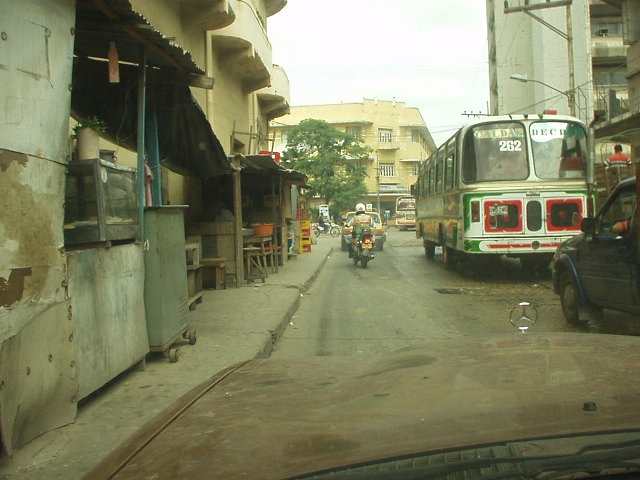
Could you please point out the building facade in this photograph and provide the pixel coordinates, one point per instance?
(568, 56)
(397, 134)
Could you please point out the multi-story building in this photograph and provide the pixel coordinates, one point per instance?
(546, 46)
(620, 125)
(569, 57)
(397, 134)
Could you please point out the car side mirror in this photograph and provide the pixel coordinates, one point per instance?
(588, 225)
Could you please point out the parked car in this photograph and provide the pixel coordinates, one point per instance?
(379, 231)
(598, 268)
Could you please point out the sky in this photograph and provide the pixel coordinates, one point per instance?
(429, 54)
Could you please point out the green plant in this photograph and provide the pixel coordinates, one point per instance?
(93, 122)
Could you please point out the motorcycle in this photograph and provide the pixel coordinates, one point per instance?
(363, 248)
(331, 228)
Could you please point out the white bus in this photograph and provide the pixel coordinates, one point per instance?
(405, 212)
(512, 185)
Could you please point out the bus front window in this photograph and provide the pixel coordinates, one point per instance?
(495, 152)
(559, 150)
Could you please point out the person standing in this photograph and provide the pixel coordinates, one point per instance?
(618, 157)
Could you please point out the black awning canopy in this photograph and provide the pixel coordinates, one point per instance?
(187, 143)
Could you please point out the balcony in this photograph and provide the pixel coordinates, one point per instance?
(274, 6)
(387, 146)
(244, 50)
(203, 15)
(275, 99)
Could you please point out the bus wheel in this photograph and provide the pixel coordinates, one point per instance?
(447, 256)
(429, 249)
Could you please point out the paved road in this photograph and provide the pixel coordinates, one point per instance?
(402, 299)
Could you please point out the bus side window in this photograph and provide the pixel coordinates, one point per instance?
(469, 166)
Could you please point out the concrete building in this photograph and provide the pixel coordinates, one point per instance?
(396, 133)
(569, 56)
(547, 46)
(183, 85)
(621, 125)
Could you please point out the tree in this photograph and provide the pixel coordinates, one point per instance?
(331, 159)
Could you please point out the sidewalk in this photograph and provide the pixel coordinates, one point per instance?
(232, 325)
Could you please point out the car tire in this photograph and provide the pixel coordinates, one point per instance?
(380, 245)
(569, 300)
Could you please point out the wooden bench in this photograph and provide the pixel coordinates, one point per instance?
(214, 272)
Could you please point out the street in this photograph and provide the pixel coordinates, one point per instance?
(402, 299)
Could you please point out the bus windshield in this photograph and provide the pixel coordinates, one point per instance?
(495, 151)
(559, 150)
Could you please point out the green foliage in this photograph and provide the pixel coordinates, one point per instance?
(332, 160)
(94, 123)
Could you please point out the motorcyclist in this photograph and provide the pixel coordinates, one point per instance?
(359, 221)
(322, 225)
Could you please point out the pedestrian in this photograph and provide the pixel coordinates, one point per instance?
(221, 214)
(618, 157)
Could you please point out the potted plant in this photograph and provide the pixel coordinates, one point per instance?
(87, 134)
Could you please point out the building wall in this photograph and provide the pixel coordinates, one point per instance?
(519, 44)
(408, 141)
(37, 374)
(229, 41)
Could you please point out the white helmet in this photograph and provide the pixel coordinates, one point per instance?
(360, 208)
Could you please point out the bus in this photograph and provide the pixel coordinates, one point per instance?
(405, 213)
(514, 185)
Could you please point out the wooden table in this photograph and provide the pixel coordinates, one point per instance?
(263, 242)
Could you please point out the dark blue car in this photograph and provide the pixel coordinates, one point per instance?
(598, 268)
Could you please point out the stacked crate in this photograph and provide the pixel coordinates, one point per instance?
(305, 236)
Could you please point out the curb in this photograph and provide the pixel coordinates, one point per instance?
(286, 318)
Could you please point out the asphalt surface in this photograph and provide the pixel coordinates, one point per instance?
(232, 325)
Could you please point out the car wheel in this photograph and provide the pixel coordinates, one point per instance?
(380, 245)
(569, 300)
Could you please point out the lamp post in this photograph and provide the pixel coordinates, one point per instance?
(378, 184)
(568, 94)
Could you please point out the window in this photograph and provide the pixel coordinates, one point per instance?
(355, 130)
(385, 135)
(387, 170)
(414, 169)
(415, 136)
(605, 29)
(284, 135)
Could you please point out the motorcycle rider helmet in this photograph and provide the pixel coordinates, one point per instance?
(360, 208)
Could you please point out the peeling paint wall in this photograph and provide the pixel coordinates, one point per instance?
(37, 371)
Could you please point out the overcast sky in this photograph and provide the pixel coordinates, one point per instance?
(429, 54)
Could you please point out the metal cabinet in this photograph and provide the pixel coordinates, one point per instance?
(165, 286)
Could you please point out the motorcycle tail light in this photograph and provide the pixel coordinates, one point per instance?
(367, 240)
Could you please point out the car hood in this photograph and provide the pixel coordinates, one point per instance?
(282, 418)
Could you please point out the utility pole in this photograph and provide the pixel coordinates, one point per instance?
(568, 36)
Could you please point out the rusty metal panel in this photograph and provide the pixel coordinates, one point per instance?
(37, 378)
(106, 287)
(36, 55)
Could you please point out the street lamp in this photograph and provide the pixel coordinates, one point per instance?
(569, 95)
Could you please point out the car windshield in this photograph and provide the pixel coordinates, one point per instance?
(170, 306)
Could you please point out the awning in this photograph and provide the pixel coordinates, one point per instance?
(266, 165)
(187, 142)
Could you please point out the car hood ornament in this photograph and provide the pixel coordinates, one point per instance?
(523, 316)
